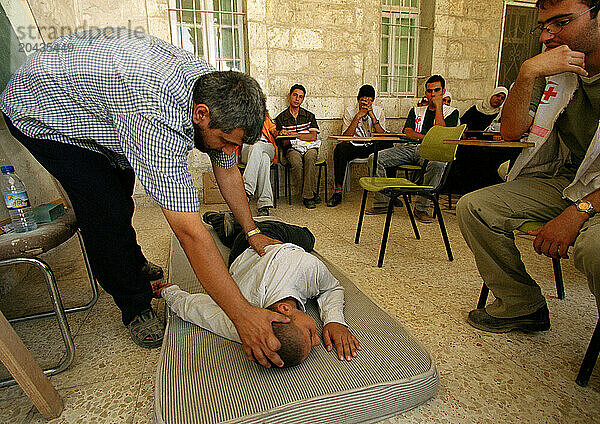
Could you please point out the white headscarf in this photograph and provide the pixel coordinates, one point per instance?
(486, 108)
(447, 94)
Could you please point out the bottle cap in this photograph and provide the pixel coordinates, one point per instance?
(7, 169)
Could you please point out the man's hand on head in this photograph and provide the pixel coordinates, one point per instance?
(346, 345)
(256, 333)
(259, 241)
(555, 61)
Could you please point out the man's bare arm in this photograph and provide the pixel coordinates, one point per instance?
(413, 135)
(252, 324)
(554, 238)
(515, 113)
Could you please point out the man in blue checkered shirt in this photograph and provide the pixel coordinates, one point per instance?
(96, 108)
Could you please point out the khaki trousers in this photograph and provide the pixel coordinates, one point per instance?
(303, 170)
(487, 219)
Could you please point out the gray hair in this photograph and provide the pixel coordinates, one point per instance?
(235, 100)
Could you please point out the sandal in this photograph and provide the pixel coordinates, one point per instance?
(152, 271)
(146, 330)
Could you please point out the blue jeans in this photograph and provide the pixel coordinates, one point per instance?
(407, 154)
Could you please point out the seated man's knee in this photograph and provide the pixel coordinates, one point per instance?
(467, 204)
(585, 253)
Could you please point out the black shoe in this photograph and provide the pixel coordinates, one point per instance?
(146, 330)
(335, 200)
(537, 321)
(317, 199)
(152, 271)
(309, 203)
(212, 217)
(264, 211)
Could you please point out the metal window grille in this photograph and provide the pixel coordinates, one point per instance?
(399, 47)
(211, 29)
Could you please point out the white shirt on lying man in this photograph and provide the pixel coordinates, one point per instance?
(285, 271)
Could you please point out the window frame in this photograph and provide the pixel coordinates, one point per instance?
(395, 13)
(210, 30)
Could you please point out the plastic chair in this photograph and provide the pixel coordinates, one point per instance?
(432, 149)
(25, 248)
(591, 355)
(287, 184)
(348, 175)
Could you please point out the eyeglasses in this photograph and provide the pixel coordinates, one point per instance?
(555, 27)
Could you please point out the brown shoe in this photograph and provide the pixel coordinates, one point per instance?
(423, 217)
(376, 210)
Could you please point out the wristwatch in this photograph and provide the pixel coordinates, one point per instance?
(252, 232)
(585, 206)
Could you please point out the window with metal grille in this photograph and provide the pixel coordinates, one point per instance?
(399, 45)
(211, 29)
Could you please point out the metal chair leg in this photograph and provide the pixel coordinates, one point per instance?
(590, 358)
(436, 207)
(59, 311)
(483, 297)
(88, 305)
(361, 216)
(319, 182)
(275, 185)
(386, 231)
(326, 198)
(560, 286)
(411, 216)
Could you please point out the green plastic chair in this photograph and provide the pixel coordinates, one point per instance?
(432, 149)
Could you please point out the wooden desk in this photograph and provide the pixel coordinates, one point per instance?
(17, 359)
(490, 143)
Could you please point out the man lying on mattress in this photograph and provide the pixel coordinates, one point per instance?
(282, 281)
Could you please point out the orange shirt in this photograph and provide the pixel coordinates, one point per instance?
(268, 126)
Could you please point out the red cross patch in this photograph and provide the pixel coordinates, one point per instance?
(549, 93)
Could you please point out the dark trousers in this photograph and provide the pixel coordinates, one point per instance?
(345, 152)
(101, 195)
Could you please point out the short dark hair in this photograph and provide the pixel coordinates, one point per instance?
(436, 78)
(298, 87)
(292, 342)
(366, 90)
(542, 4)
(235, 100)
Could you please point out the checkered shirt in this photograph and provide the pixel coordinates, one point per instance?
(124, 94)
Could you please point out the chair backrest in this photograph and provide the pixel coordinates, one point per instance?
(433, 147)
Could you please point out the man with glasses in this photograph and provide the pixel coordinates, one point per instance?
(556, 97)
(419, 121)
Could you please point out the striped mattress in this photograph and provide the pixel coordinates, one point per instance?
(203, 378)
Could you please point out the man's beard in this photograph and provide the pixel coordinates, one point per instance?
(199, 141)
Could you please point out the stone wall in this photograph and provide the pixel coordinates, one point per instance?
(331, 47)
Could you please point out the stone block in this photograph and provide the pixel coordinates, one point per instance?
(459, 70)
(455, 49)
(257, 35)
(256, 10)
(278, 37)
(307, 39)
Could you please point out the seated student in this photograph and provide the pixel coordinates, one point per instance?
(447, 98)
(556, 97)
(477, 167)
(479, 116)
(282, 280)
(302, 151)
(361, 120)
(418, 122)
(258, 158)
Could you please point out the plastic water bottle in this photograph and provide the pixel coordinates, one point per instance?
(16, 200)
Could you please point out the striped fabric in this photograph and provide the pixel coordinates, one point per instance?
(203, 378)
